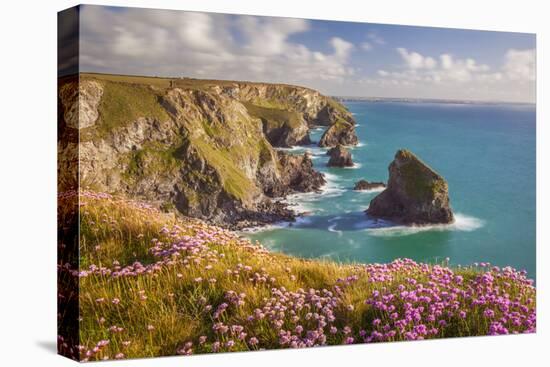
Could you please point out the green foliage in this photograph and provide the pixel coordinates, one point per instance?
(153, 159)
(274, 118)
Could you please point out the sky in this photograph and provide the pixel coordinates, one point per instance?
(336, 58)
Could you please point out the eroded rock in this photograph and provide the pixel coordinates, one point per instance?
(339, 157)
(366, 185)
(415, 194)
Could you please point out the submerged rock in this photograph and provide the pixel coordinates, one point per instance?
(339, 157)
(341, 132)
(366, 185)
(416, 194)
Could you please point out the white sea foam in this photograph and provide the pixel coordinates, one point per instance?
(304, 202)
(332, 227)
(370, 191)
(265, 228)
(355, 166)
(303, 220)
(462, 223)
(361, 144)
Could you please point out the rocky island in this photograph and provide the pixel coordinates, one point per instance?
(366, 185)
(205, 147)
(415, 194)
(339, 157)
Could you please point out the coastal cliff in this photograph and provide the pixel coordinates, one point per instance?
(205, 148)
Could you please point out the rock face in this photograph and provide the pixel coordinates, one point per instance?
(298, 174)
(281, 128)
(341, 132)
(416, 194)
(339, 157)
(82, 112)
(366, 185)
(315, 108)
(203, 147)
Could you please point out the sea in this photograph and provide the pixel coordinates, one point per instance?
(486, 152)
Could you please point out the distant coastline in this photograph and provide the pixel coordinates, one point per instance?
(426, 100)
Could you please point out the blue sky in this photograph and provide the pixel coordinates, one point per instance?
(481, 45)
(338, 58)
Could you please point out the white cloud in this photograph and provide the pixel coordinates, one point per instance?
(414, 60)
(268, 36)
(448, 69)
(520, 64)
(367, 46)
(446, 61)
(462, 77)
(341, 47)
(375, 38)
(175, 43)
(197, 32)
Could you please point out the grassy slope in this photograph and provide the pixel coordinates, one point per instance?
(121, 104)
(166, 304)
(274, 117)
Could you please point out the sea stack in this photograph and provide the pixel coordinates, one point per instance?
(341, 132)
(366, 185)
(415, 194)
(339, 157)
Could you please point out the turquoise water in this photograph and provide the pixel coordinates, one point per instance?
(487, 155)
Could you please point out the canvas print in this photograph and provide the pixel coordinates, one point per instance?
(241, 183)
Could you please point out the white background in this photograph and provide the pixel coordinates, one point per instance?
(28, 187)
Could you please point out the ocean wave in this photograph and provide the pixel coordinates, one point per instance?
(370, 191)
(304, 202)
(265, 228)
(297, 148)
(332, 229)
(462, 223)
(355, 166)
(359, 145)
(300, 221)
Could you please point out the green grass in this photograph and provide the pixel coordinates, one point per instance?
(233, 178)
(121, 104)
(153, 159)
(164, 82)
(274, 118)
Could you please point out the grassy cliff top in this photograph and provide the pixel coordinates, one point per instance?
(164, 82)
(153, 285)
